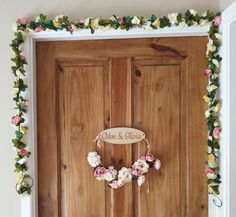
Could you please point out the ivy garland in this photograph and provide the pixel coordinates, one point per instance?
(189, 18)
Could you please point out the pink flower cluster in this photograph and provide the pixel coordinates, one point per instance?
(208, 72)
(99, 172)
(210, 172)
(23, 21)
(120, 20)
(16, 120)
(38, 29)
(125, 175)
(216, 132)
(217, 21)
(24, 153)
(142, 165)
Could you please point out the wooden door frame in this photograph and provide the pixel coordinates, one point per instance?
(29, 205)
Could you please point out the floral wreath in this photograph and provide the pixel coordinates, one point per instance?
(191, 17)
(125, 175)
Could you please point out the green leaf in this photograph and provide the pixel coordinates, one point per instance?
(152, 18)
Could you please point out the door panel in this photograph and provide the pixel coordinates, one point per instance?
(157, 106)
(84, 87)
(81, 101)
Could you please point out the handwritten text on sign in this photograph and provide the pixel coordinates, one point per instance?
(121, 135)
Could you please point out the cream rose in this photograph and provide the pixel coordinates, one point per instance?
(125, 175)
(94, 159)
(173, 18)
(193, 12)
(135, 20)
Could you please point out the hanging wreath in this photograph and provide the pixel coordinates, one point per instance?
(117, 179)
(189, 18)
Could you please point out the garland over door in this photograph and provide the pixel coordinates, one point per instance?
(155, 85)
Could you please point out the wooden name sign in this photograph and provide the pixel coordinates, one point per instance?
(121, 135)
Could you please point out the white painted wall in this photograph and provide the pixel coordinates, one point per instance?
(10, 10)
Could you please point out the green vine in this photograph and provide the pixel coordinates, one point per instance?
(22, 27)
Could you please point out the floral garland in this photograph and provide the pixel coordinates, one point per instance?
(189, 18)
(125, 175)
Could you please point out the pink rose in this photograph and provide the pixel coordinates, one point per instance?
(100, 171)
(23, 152)
(208, 72)
(140, 180)
(216, 132)
(120, 20)
(114, 184)
(217, 21)
(150, 158)
(157, 164)
(23, 21)
(136, 171)
(22, 56)
(38, 29)
(208, 169)
(16, 120)
(70, 29)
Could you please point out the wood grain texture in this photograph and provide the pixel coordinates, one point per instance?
(84, 87)
(81, 115)
(120, 155)
(47, 139)
(156, 110)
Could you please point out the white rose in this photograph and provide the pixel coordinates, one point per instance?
(217, 107)
(15, 27)
(140, 180)
(87, 20)
(216, 124)
(125, 174)
(19, 74)
(204, 14)
(95, 23)
(37, 19)
(120, 182)
(143, 165)
(94, 159)
(148, 26)
(110, 174)
(15, 91)
(211, 88)
(207, 114)
(22, 160)
(59, 16)
(105, 28)
(210, 46)
(74, 27)
(157, 164)
(218, 36)
(135, 20)
(216, 63)
(203, 22)
(182, 25)
(211, 175)
(193, 12)
(112, 18)
(173, 18)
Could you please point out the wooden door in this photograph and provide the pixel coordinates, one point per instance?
(155, 85)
